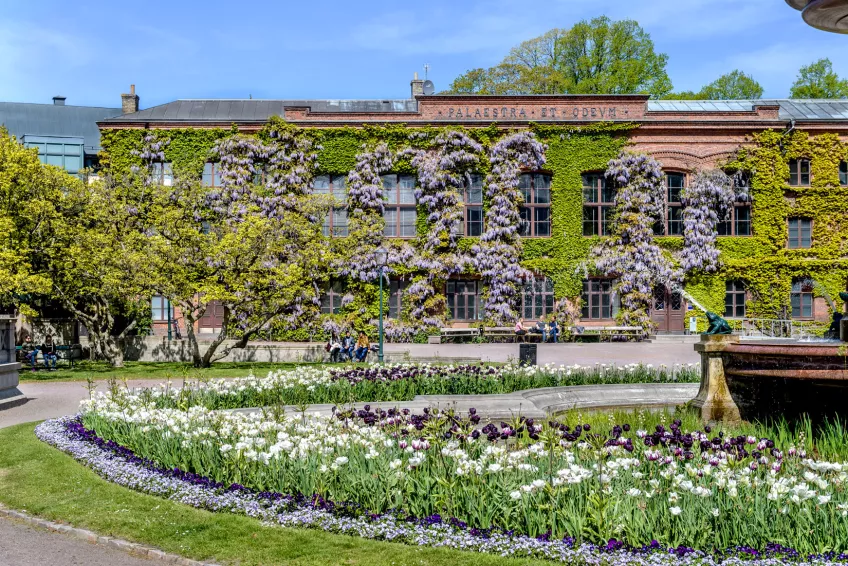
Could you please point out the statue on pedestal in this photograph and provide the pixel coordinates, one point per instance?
(717, 325)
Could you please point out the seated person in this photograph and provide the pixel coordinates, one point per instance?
(48, 351)
(553, 329)
(541, 328)
(362, 346)
(348, 347)
(335, 349)
(519, 328)
(29, 351)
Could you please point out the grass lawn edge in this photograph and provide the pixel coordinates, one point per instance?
(39, 480)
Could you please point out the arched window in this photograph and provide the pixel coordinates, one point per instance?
(472, 196)
(672, 224)
(536, 212)
(734, 299)
(598, 205)
(400, 213)
(801, 299)
(335, 223)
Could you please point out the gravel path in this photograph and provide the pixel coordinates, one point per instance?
(23, 545)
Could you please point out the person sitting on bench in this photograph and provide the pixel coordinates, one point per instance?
(30, 351)
(362, 346)
(553, 329)
(48, 352)
(519, 328)
(541, 328)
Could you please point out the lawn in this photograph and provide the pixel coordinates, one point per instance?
(43, 481)
(155, 370)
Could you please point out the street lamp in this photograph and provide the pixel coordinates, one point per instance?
(382, 257)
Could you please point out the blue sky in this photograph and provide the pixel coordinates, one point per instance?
(90, 52)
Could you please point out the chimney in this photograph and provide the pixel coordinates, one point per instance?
(58, 101)
(417, 86)
(129, 102)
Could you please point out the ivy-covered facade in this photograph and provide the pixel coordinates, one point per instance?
(494, 208)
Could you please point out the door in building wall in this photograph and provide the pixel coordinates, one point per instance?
(213, 319)
(668, 310)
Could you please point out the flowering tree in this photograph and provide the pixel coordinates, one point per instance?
(631, 255)
(707, 200)
(253, 246)
(444, 169)
(366, 203)
(497, 257)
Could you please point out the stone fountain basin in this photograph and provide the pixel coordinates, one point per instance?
(787, 379)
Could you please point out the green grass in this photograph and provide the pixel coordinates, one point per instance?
(154, 370)
(42, 481)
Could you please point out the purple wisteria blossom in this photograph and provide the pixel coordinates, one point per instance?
(152, 152)
(707, 200)
(497, 257)
(366, 202)
(631, 255)
(444, 170)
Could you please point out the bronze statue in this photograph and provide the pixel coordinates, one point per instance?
(717, 325)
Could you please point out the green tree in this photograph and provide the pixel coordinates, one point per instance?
(96, 262)
(259, 255)
(28, 194)
(600, 56)
(735, 85)
(817, 80)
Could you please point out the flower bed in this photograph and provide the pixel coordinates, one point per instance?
(120, 465)
(555, 480)
(402, 382)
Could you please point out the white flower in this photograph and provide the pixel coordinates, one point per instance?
(824, 499)
(494, 468)
(673, 497)
(633, 492)
(715, 512)
(515, 494)
(675, 510)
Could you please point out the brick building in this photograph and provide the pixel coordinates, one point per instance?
(785, 251)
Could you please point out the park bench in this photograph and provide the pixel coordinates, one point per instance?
(508, 332)
(68, 352)
(453, 333)
(608, 333)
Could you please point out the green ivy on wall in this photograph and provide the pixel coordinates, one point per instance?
(761, 261)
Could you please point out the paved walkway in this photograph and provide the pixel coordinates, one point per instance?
(23, 545)
(49, 400)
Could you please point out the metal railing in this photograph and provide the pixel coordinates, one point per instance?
(774, 328)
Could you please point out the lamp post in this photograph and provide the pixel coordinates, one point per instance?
(382, 257)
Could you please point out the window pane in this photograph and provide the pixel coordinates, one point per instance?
(340, 187)
(475, 190)
(390, 216)
(675, 220)
(843, 173)
(542, 181)
(407, 222)
(806, 233)
(743, 220)
(590, 221)
(407, 189)
(543, 221)
(475, 221)
(524, 183)
(804, 171)
(524, 228)
(606, 220)
(339, 222)
(73, 149)
(325, 225)
(321, 184)
(543, 196)
(56, 160)
(390, 188)
(55, 149)
(675, 185)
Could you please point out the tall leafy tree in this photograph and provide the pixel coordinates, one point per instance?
(255, 247)
(818, 80)
(735, 85)
(600, 56)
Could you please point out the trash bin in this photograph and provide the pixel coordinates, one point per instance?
(527, 354)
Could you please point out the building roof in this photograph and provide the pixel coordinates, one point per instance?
(790, 109)
(27, 119)
(255, 110)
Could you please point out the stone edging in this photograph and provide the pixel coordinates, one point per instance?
(132, 548)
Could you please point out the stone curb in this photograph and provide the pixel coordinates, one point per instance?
(92, 537)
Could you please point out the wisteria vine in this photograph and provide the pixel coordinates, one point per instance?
(443, 172)
(631, 254)
(498, 255)
(706, 201)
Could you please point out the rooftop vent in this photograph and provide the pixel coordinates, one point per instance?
(58, 100)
